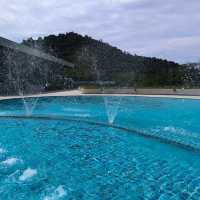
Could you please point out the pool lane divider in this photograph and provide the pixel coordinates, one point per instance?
(128, 130)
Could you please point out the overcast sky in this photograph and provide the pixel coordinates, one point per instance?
(162, 28)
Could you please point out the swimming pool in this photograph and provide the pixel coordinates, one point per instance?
(66, 149)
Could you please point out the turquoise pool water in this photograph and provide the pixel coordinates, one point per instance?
(60, 153)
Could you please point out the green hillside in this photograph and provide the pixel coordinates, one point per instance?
(96, 60)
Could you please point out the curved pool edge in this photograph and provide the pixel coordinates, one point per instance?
(76, 93)
(178, 144)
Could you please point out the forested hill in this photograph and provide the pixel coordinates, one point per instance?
(96, 60)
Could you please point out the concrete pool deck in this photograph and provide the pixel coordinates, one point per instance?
(79, 93)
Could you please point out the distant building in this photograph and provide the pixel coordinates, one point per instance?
(95, 82)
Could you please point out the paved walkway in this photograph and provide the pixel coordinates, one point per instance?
(78, 93)
(63, 93)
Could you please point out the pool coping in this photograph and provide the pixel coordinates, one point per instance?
(79, 93)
